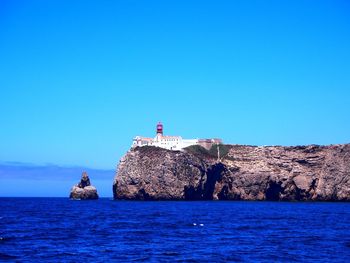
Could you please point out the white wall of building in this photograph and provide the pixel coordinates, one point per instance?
(166, 142)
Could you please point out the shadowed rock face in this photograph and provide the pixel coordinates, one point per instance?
(84, 190)
(245, 173)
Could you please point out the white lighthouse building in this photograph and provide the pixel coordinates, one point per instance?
(175, 143)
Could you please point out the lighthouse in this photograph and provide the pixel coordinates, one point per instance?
(159, 129)
(173, 143)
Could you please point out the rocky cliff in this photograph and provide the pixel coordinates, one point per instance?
(242, 173)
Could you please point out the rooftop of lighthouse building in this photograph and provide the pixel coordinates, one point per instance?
(170, 137)
(144, 138)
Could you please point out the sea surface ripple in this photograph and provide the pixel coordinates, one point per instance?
(61, 230)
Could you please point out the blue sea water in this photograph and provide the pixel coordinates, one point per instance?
(61, 230)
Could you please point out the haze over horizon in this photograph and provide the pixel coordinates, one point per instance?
(80, 79)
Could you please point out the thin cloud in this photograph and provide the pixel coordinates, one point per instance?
(17, 170)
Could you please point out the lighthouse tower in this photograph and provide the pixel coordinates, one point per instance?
(159, 129)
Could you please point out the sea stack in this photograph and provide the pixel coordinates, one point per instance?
(84, 190)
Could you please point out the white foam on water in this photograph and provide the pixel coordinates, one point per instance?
(201, 224)
(194, 224)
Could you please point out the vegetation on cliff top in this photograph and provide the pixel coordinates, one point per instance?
(197, 150)
(211, 153)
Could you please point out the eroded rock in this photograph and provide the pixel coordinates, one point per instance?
(245, 173)
(84, 190)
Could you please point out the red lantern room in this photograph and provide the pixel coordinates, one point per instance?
(160, 128)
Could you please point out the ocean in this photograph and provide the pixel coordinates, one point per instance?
(62, 230)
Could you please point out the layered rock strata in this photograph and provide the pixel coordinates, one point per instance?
(319, 173)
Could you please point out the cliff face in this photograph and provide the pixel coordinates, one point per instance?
(243, 173)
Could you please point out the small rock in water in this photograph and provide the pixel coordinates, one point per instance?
(84, 190)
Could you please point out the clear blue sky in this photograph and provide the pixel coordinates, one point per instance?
(79, 79)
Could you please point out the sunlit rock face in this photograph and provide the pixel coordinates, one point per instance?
(286, 173)
(300, 173)
(151, 173)
(84, 190)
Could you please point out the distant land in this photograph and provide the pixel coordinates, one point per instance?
(49, 180)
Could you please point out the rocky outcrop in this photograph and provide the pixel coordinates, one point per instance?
(154, 173)
(243, 173)
(84, 190)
